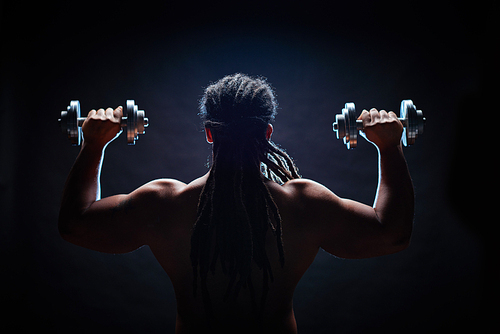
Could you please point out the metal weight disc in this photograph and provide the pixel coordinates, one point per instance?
(140, 122)
(63, 121)
(73, 131)
(339, 126)
(131, 122)
(408, 112)
(351, 136)
(420, 122)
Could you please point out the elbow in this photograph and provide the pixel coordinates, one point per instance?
(398, 234)
(397, 238)
(400, 242)
(66, 228)
(68, 234)
(393, 247)
(64, 234)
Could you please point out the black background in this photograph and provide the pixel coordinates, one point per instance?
(318, 56)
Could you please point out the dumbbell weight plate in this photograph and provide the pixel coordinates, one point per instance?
(420, 122)
(131, 122)
(345, 125)
(410, 119)
(339, 126)
(136, 122)
(69, 122)
(351, 131)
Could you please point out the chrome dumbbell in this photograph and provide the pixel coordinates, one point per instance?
(133, 120)
(347, 125)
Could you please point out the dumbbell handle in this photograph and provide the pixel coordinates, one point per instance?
(359, 123)
(123, 122)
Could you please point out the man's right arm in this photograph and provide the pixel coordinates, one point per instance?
(115, 224)
(349, 229)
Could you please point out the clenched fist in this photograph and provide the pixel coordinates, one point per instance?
(381, 128)
(102, 126)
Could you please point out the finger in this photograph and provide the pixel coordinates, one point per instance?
(109, 113)
(100, 112)
(374, 114)
(91, 113)
(383, 115)
(392, 114)
(118, 112)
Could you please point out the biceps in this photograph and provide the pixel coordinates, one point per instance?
(109, 225)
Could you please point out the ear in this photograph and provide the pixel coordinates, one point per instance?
(269, 131)
(208, 134)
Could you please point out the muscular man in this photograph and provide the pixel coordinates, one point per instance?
(236, 241)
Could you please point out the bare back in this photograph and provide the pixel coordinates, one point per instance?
(171, 247)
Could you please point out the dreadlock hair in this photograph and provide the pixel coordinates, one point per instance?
(235, 208)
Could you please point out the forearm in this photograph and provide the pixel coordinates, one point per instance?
(82, 186)
(394, 202)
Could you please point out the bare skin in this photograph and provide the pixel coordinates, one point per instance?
(161, 214)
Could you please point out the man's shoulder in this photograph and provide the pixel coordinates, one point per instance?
(306, 188)
(313, 197)
(168, 195)
(303, 193)
(161, 187)
(172, 188)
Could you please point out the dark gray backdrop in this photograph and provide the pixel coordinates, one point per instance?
(317, 56)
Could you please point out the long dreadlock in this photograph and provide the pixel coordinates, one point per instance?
(236, 209)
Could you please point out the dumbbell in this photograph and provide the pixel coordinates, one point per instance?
(347, 125)
(133, 119)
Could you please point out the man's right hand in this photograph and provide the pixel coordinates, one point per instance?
(383, 129)
(102, 126)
